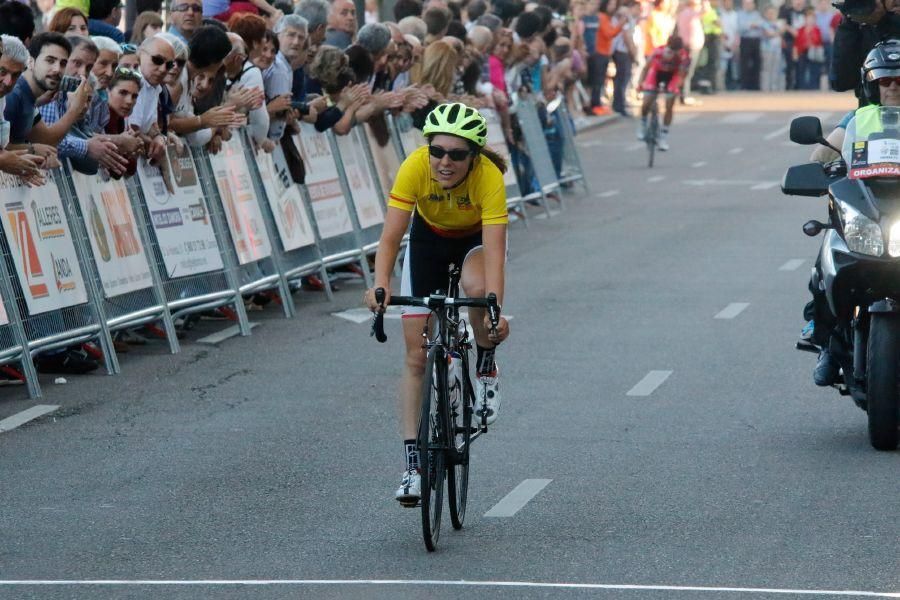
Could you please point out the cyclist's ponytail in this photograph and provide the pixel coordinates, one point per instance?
(495, 158)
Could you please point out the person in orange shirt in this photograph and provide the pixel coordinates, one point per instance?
(609, 24)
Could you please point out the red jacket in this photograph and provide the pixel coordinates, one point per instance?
(606, 33)
(807, 37)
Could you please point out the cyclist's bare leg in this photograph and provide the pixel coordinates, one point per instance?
(670, 109)
(413, 371)
(472, 282)
(649, 99)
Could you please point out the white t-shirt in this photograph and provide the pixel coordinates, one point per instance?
(258, 118)
(145, 113)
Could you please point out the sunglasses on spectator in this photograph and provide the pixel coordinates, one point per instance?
(455, 155)
(128, 48)
(187, 8)
(161, 60)
(126, 72)
(886, 81)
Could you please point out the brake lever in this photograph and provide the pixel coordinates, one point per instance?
(378, 318)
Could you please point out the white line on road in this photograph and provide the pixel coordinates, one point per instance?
(656, 178)
(519, 497)
(699, 163)
(737, 150)
(649, 383)
(23, 417)
(448, 583)
(635, 146)
(220, 336)
(777, 133)
(732, 310)
(682, 119)
(792, 265)
(590, 144)
(744, 117)
(767, 185)
(608, 194)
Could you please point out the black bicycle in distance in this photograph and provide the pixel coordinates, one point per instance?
(445, 430)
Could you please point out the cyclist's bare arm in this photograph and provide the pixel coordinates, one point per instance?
(824, 154)
(494, 241)
(396, 222)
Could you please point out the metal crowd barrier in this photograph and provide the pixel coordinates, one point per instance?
(84, 256)
(572, 170)
(538, 152)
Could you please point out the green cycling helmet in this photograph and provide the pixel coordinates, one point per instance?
(457, 119)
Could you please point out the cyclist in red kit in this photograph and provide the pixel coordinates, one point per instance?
(665, 71)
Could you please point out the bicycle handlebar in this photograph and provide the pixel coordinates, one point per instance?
(433, 302)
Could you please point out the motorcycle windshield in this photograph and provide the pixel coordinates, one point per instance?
(872, 144)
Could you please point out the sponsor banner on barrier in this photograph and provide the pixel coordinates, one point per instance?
(245, 222)
(386, 161)
(4, 318)
(109, 220)
(366, 197)
(322, 183)
(497, 141)
(285, 200)
(411, 140)
(179, 215)
(41, 244)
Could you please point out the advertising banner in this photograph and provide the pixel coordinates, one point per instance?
(366, 197)
(179, 215)
(386, 161)
(115, 240)
(233, 180)
(41, 244)
(285, 201)
(329, 206)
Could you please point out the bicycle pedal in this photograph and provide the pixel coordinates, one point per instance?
(407, 504)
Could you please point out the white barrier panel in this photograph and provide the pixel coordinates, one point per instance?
(497, 141)
(4, 318)
(366, 196)
(412, 139)
(42, 246)
(112, 230)
(285, 201)
(179, 216)
(386, 161)
(322, 183)
(232, 176)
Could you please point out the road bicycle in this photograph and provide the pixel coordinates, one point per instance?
(446, 429)
(651, 137)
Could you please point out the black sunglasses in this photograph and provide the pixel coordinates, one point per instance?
(161, 60)
(187, 8)
(455, 155)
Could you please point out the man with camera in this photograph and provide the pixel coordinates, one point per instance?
(864, 24)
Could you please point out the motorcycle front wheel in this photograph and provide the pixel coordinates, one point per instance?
(882, 396)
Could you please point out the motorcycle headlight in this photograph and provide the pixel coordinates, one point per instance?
(894, 239)
(861, 233)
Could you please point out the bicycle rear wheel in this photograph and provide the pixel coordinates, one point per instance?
(652, 134)
(458, 473)
(432, 443)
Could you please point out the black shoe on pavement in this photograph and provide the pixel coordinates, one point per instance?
(69, 362)
(826, 372)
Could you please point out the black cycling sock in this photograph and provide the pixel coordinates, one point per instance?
(486, 364)
(412, 455)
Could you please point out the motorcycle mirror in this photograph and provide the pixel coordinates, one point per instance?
(808, 131)
(814, 228)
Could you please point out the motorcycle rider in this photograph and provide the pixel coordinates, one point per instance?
(880, 76)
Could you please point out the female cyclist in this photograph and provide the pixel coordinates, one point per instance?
(453, 190)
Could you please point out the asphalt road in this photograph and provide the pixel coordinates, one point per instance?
(264, 467)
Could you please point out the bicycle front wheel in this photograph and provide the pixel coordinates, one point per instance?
(652, 134)
(432, 443)
(458, 473)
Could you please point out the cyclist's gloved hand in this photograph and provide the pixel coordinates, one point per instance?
(502, 329)
(372, 303)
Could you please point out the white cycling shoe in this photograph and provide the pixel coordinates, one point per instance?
(663, 140)
(642, 131)
(410, 491)
(487, 396)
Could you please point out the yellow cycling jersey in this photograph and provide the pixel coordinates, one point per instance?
(479, 200)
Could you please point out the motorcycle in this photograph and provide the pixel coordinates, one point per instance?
(859, 262)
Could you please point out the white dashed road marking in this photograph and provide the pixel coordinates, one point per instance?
(740, 118)
(656, 178)
(635, 146)
(23, 417)
(519, 497)
(735, 151)
(792, 265)
(698, 164)
(778, 133)
(766, 185)
(649, 383)
(608, 194)
(732, 310)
